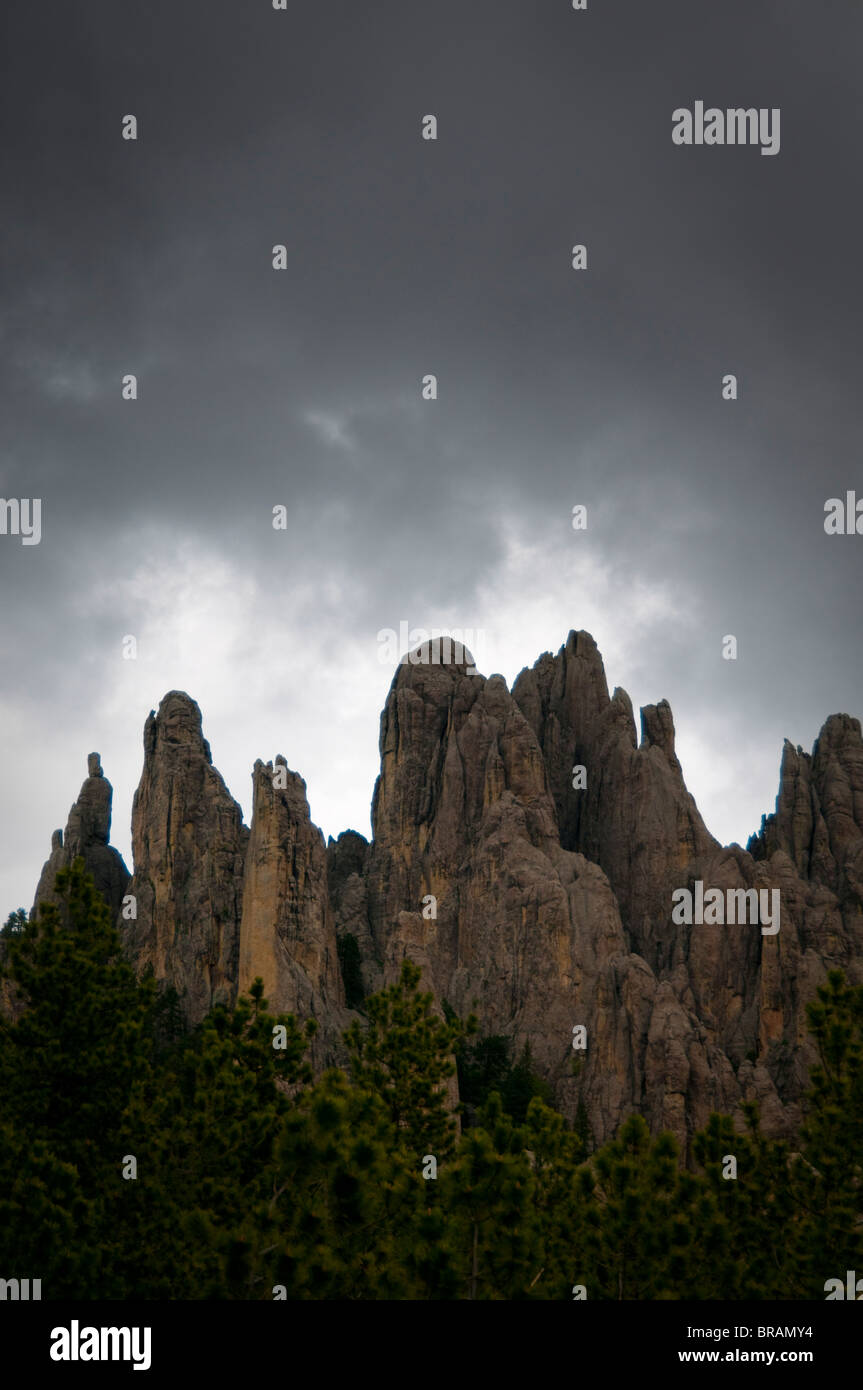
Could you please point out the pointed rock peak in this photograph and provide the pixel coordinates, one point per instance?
(442, 651)
(287, 934)
(837, 773)
(838, 731)
(349, 849)
(620, 710)
(178, 722)
(657, 730)
(87, 834)
(569, 688)
(445, 652)
(586, 671)
(270, 767)
(792, 756)
(347, 837)
(579, 646)
(90, 818)
(582, 644)
(276, 778)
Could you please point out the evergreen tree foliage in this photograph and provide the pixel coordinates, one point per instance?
(15, 923)
(521, 1085)
(68, 1065)
(829, 1171)
(486, 1066)
(141, 1159)
(405, 1056)
(486, 1192)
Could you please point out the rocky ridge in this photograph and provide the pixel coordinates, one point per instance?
(538, 896)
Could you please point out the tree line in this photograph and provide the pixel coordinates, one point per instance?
(140, 1159)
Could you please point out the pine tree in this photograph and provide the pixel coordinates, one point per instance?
(247, 1176)
(829, 1171)
(635, 1230)
(15, 923)
(405, 1056)
(556, 1154)
(345, 1200)
(205, 1131)
(487, 1196)
(750, 1254)
(483, 1066)
(522, 1085)
(69, 1063)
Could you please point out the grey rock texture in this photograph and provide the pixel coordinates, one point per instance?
(87, 833)
(526, 933)
(346, 879)
(287, 930)
(744, 993)
(537, 904)
(818, 821)
(635, 817)
(189, 846)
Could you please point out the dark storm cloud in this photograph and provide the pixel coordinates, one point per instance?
(453, 257)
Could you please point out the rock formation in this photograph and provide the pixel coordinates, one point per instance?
(526, 851)
(466, 874)
(346, 881)
(745, 993)
(189, 846)
(287, 932)
(87, 832)
(818, 820)
(635, 817)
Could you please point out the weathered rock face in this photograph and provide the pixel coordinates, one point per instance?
(287, 931)
(189, 846)
(818, 820)
(466, 875)
(214, 904)
(811, 847)
(554, 900)
(346, 880)
(537, 896)
(837, 776)
(634, 817)
(745, 992)
(87, 832)
(626, 807)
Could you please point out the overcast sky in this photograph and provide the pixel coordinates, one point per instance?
(302, 387)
